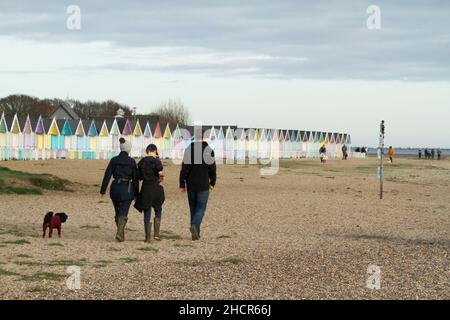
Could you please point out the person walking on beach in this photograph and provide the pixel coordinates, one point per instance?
(124, 187)
(432, 154)
(150, 171)
(439, 153)
(344, 152)
(427, 154)
(322, 153)
(391, 154)
(197, 177)
(420, 154)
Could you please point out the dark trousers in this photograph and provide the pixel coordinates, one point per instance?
(121, 208)
(197, 205)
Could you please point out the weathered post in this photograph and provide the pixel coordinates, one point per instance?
(381, 157)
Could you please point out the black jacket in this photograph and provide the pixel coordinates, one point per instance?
(126, 184)
(198, 169)
(152, 193)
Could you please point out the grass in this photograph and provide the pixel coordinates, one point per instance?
(55, 244)
(4, 272)
(13, 231)
(36, 289)
(169, 235)
(30, 183)
(43, 276)
(23, 256)
(180, 245)
(18, 242)
(28, 263)
(129, 259)
(102, 263)
(88, 226)
(224, 237)
(69, 262)
(148, 248)
(232, 260)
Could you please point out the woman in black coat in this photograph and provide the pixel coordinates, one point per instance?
(150, 171)
(124, 187)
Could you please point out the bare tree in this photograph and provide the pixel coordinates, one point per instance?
(173, 112)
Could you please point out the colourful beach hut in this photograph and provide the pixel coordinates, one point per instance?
(275, 145)
(262, 149)
(114, 132)
(81, 140)
(157, 137)
(220, 145)
(148, 136)
(230, 144)
(137, 140)
(167, 143)
(4, 153)
(178, 149)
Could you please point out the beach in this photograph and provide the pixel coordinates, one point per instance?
(308, 232)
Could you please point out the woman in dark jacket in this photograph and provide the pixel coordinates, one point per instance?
(124, 187)
(150, 171)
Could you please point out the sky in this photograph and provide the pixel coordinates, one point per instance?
(309, 65)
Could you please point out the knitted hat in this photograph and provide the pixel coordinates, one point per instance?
(125, 145)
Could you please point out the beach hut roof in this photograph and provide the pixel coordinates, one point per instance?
(137, 128)
(53, 128)
(80, 129)
(67, 129)
(13, 124)
(92, 132)
(147, 130)
(114, 129)
(3, 124)
(39, 128)
(157, 133)
(167, 132)
(220, 134)
(104, 132)
(27, 127)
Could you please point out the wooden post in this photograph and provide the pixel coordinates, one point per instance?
(381, 157)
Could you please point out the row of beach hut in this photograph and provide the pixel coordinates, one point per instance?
(42, 138)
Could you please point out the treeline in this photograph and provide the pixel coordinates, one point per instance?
(171, 111)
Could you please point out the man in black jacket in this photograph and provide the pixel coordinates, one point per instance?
(198, 174)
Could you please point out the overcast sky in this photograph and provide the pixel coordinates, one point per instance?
(310, 65)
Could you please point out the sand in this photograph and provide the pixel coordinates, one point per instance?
(308, 232)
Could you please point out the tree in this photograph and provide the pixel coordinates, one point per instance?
(23, 105)
(173, 112)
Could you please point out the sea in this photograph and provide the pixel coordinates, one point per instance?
(407, 152)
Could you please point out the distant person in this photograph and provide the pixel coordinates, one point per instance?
(420, 154)
(198, 177)
(344, 152)
(124, 187)
(151, 196)
(426, 154)
(322, 153)
(391, 154)
(432, 154)
(439, 153)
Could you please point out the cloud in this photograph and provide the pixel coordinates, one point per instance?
(283, 39)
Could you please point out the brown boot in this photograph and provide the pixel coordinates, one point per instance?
(121, 223)
(157, 225)
(148, 231)
(194, 232)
